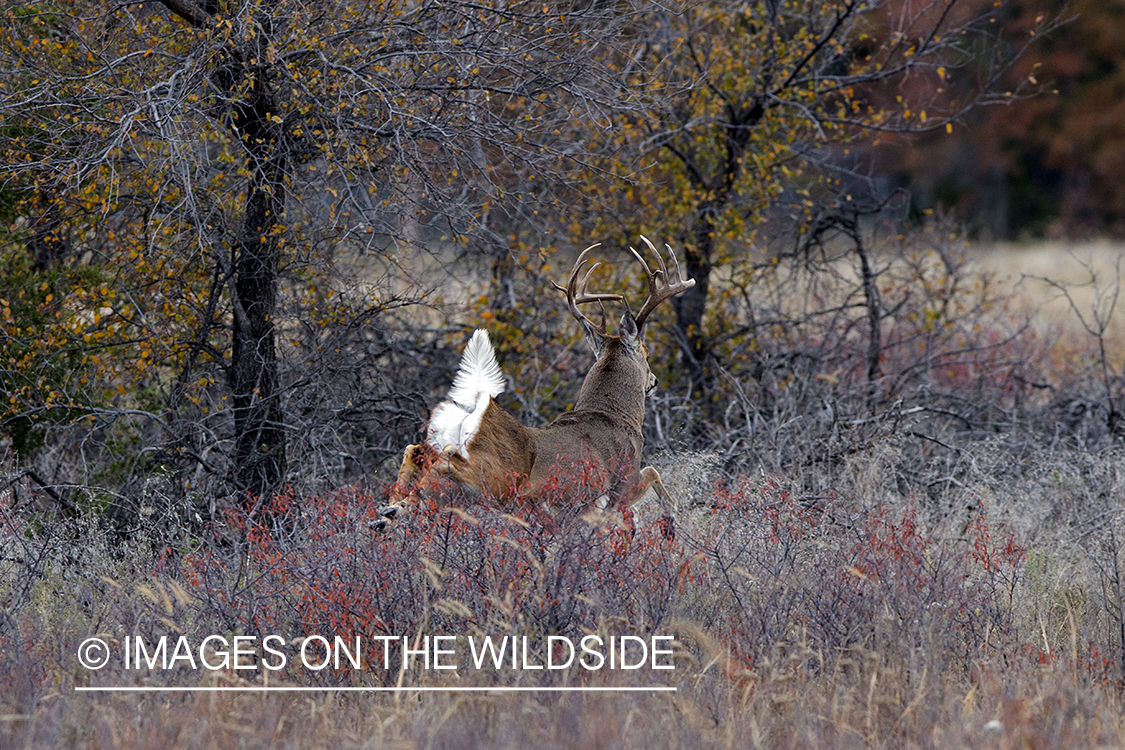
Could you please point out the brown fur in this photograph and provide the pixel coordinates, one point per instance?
(508, 460)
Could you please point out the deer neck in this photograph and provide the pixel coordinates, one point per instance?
(615, 387)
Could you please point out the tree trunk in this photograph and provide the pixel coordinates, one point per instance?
(259, 457)
(871, 302)
(719, 188)
(693, 303)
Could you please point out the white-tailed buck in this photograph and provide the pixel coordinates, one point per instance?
(482, 446)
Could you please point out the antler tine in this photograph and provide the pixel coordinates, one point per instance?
(660, 285)
(576, 293)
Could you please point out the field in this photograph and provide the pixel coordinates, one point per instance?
(1023, 267)
(943, 573)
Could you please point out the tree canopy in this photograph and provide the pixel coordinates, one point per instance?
(186, 186)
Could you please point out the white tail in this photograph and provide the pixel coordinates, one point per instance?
(456, 420)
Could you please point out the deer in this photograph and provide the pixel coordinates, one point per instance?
(480, 445)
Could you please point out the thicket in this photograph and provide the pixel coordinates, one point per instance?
(855, 617)
(244, 239)
(940, 564)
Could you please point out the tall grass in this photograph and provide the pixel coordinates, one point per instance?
(855, 618)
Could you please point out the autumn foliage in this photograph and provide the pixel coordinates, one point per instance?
(767, 592)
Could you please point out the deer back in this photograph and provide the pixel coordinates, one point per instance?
(602, 434)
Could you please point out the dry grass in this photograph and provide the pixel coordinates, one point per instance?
(1001, 708)
(1085, 267)
(890, 671)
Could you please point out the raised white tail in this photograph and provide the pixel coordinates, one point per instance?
(478, 380)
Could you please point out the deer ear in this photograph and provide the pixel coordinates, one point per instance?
(593, 338)
(630, 336)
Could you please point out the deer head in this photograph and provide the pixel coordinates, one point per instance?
(622, 360)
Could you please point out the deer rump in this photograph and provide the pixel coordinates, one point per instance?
(581, 454)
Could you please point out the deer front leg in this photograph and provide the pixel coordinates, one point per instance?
(649, 477)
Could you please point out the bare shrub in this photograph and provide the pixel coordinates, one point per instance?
(845, 617)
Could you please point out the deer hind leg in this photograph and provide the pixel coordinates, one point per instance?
(407, 471)
(399, 499)
(651, 478)
(403, 494)
(406, 493)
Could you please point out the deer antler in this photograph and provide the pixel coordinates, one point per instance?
(658, 290)
(576, 293)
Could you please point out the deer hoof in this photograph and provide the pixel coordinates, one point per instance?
(668, 527)
(387, 515)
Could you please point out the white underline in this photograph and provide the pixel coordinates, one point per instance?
(294, 689)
